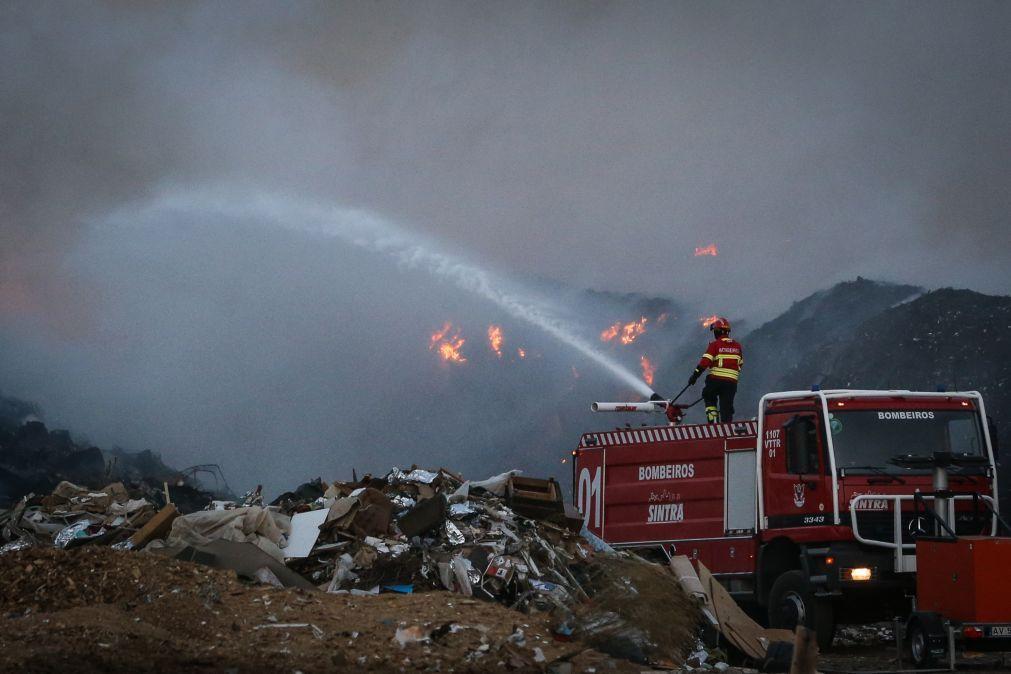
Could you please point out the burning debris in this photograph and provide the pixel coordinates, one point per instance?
(626, 333)
(495, 339)
(448, 345)
(707, 251)
(448, 341)
(648, 369)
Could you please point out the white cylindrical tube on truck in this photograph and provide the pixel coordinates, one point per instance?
(647, 406)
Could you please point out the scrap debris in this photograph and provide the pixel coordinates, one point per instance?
(507, 540)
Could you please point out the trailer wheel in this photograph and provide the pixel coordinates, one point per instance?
(919, 636)
(791, 603)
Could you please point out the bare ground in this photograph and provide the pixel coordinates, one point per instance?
(97, 609)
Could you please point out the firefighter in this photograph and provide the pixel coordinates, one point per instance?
(724, 358)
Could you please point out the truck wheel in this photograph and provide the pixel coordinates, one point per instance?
(791, 603)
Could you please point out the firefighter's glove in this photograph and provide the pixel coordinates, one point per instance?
(695, 376)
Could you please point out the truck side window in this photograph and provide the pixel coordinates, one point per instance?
(801, 446)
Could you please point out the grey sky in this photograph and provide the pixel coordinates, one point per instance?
(594, 143)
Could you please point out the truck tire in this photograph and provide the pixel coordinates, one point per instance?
(792, 603)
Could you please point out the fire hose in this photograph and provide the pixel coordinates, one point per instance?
(674, 399)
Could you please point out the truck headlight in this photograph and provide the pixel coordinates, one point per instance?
(860, 573)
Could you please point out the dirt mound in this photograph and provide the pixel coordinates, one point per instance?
(638, 611)
(46, 579)
(97, 609)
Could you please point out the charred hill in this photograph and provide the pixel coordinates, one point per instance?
(34, 459)
(526, 410)
(956, 339)
(871, 335)
(786, 352)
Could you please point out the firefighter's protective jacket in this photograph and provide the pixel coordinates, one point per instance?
(724, 357)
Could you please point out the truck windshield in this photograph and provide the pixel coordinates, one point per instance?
(864, 440)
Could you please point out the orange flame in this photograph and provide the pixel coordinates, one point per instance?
(610, 333)
(711, 250)
(648, 369)
(708, 320)
(447, 347)
(626, 332)
(521, 352)
(495, 339)
(439, 334)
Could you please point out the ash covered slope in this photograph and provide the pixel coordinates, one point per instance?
(782, 354)
(955, 338)
(958, 339)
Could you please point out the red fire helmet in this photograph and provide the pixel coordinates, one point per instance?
(720, 325)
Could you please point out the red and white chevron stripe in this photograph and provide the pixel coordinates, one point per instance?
(634, 436)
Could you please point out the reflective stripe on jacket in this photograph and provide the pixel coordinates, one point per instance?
(724, 358)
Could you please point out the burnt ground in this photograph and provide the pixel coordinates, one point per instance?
(871, 648)
(96, 609)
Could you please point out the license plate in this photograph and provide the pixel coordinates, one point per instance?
(999, 631)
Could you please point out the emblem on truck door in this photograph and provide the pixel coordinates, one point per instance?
(799, 494)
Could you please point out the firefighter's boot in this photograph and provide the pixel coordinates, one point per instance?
(712, 415)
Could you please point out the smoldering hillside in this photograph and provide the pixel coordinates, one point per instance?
(284, 355)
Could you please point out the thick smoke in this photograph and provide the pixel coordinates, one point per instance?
(593, 144)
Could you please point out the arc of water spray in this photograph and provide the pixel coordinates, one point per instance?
(366, 230)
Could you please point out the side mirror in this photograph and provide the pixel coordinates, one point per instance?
(994, 438)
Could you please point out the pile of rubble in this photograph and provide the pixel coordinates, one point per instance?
(507, 539)
(432, 530)
(74, 515)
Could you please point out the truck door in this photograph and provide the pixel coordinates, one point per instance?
(795, 489)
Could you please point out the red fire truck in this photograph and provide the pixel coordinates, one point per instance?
(803, 510)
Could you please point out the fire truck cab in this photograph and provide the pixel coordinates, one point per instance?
(803, 511)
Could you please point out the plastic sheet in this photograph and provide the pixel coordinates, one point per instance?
(261, 526)
(596, 542)
(76, 530)
(497, 483)
(461, 566)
